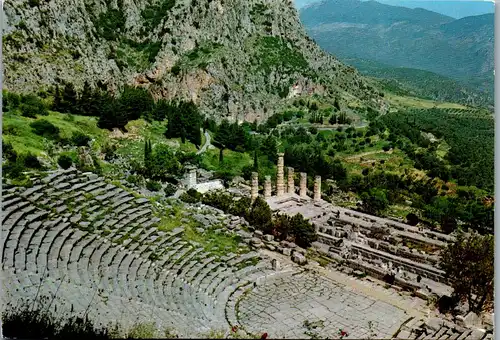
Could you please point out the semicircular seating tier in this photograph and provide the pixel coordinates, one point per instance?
(65, 237)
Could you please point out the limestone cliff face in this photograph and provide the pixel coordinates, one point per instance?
(240, 59)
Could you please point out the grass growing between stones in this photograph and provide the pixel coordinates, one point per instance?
(143, 331)
(216, 243)
(221, 334)
(251, 262)
(315, 256)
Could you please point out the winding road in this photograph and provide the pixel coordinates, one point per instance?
(206, 145)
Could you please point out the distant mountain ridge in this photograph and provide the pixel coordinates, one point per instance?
(456, 9)
(423, 84)
(461, 49)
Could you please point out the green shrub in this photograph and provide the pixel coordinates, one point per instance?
(14, 169)
(133, 179)
(143, 331)
(65, 161)
(170, 189)
(31, 106)
(110, 23)
(8, 152)
(10, 100)
(80, 139)
(26, 111)
(186, 198)
(153, 186)
(26, 323)
(176, 69)
(45, 128)
(31, 161)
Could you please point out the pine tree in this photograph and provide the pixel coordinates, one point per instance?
(70, 99)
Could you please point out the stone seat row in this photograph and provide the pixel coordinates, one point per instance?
(62, 250)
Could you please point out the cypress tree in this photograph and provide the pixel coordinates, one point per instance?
(57, 104)
(221, 156)
(146, 153)
(85, 101)
(255, 161)
(70, 99)
(183, 135)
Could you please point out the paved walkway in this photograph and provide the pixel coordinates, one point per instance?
(330, 300)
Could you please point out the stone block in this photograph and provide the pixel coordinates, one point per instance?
(268, 238)
(423, 294)
(347, 270)
(434, 323)
(276, 264)
(287, 251)
(258, 233)
(404, 335)
(299, 258)
(255, 240)
(488, 319)
(472, 320)
(477, 334)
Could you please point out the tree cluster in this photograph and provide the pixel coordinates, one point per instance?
(231, 136)
(160, 162)
(311, 158)
(259, 215)
(470, 137)
(469, 266)
(184, 121)
(29, 105)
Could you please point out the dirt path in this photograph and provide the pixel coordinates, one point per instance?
(359, 155)
(206, 145)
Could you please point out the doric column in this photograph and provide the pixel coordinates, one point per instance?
(291, 183)
(280, 185)
(303, 184)
(255, 186)
(267, 187)
(317, 188)
(192, 178)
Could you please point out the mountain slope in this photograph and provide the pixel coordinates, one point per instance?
(234, 58)
(402, 37)
(423, 84)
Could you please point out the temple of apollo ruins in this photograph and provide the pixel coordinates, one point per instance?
(354, 237)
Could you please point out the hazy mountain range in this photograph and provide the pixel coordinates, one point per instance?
(460, 49)
(455, 9)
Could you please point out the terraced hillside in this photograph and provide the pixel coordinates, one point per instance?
(101, 251)
(76, 244)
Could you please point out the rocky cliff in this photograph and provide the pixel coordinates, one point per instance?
(235, 58)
